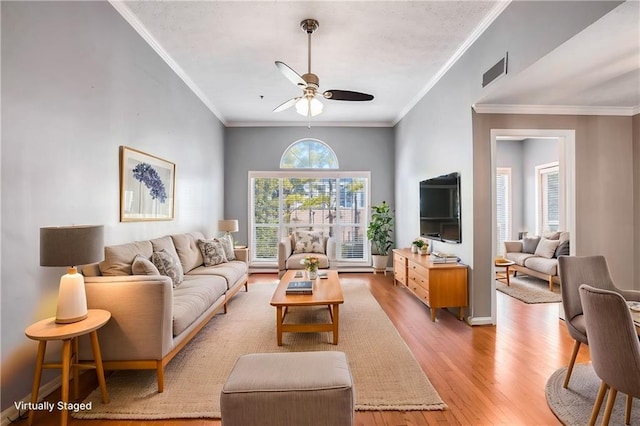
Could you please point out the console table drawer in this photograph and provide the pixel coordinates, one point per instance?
(421, 292)
(418, 269)
(399, 268)
(421, 280)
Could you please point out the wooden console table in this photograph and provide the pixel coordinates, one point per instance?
(437, 285)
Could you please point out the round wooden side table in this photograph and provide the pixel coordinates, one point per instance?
(48, 329)
(504, 263)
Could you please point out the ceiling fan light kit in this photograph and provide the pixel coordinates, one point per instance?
(308, 104)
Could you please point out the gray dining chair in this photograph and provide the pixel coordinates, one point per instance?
(575, 271)
(614, 348)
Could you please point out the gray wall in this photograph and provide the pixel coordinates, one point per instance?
(260, 149)
(437, 136)
(535, 153)
(78, 82)
(636, 197)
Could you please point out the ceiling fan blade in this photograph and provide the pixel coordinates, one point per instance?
(346, 95)
(291, 75)
(287, 104)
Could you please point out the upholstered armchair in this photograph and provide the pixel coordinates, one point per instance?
(575, 271)
(293, 248)
(614, 348)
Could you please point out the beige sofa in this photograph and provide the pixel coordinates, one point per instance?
(539, 259)
(151, 319)
(289, 259)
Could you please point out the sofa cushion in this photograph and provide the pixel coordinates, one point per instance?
(143, 266)
(227, 245)
(118, 259)
(308, 242)
(518, 257)
(230, 271)
(193, 297)
(188, 251)
(165, 243)
(546, 248)
(168, 265)
(212, 252)
(564, 236)
(295, 261)
(551, 235)
(542, 265)
(530, 244)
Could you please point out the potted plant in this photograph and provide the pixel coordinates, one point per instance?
(420, 245)
(379, 233)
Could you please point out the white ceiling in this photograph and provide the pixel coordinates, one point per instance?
(396, 50)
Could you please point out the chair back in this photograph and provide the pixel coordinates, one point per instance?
(613, 339)
(575, 271)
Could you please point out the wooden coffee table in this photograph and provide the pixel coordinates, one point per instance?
(326, 291)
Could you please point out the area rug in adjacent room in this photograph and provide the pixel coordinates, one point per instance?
(572, 406)
(386, 375)
(530, 290)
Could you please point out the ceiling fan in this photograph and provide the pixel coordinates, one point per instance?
(308, 104)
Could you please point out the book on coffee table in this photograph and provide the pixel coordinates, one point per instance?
(300, 287)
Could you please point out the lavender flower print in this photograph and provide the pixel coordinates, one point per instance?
(146, 174)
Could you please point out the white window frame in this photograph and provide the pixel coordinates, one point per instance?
(540, 171)
(310, 174)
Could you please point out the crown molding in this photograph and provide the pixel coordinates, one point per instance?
(128, 15)
(477, 32)
(555, 109)
(303, 123)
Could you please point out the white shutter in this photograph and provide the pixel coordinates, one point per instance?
(503, 208)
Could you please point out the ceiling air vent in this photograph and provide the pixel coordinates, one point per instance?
(498, 70)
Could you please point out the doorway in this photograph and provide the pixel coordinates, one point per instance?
(502, 227)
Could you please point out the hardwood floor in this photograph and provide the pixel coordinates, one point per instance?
(486, 375)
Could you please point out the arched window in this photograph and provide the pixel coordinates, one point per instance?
(309, 154)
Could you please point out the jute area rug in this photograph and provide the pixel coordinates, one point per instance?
(572, 406)
(530, 290)
(386, 375)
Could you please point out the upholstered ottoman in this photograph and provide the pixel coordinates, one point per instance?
(293, 388)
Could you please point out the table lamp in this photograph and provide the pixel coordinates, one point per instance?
(228, 226)
(70, 246)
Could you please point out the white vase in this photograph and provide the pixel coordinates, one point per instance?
(414, 248)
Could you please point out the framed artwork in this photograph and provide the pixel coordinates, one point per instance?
(147, 186)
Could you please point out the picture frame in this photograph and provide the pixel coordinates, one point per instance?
(147, 186)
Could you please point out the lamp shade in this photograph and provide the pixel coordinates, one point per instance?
(230, 225)
(71, 245)
(309, 106)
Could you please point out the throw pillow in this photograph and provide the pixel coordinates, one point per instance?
(308, 242)
(143, 266)
(546, 248)
(530, 244)
(227, 245)
(212, 252)
(563, 249)
(168, 266)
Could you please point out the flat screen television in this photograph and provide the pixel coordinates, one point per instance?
(440, 208)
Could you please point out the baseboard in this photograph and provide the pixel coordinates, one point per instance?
(10, 414)
(480, 321)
